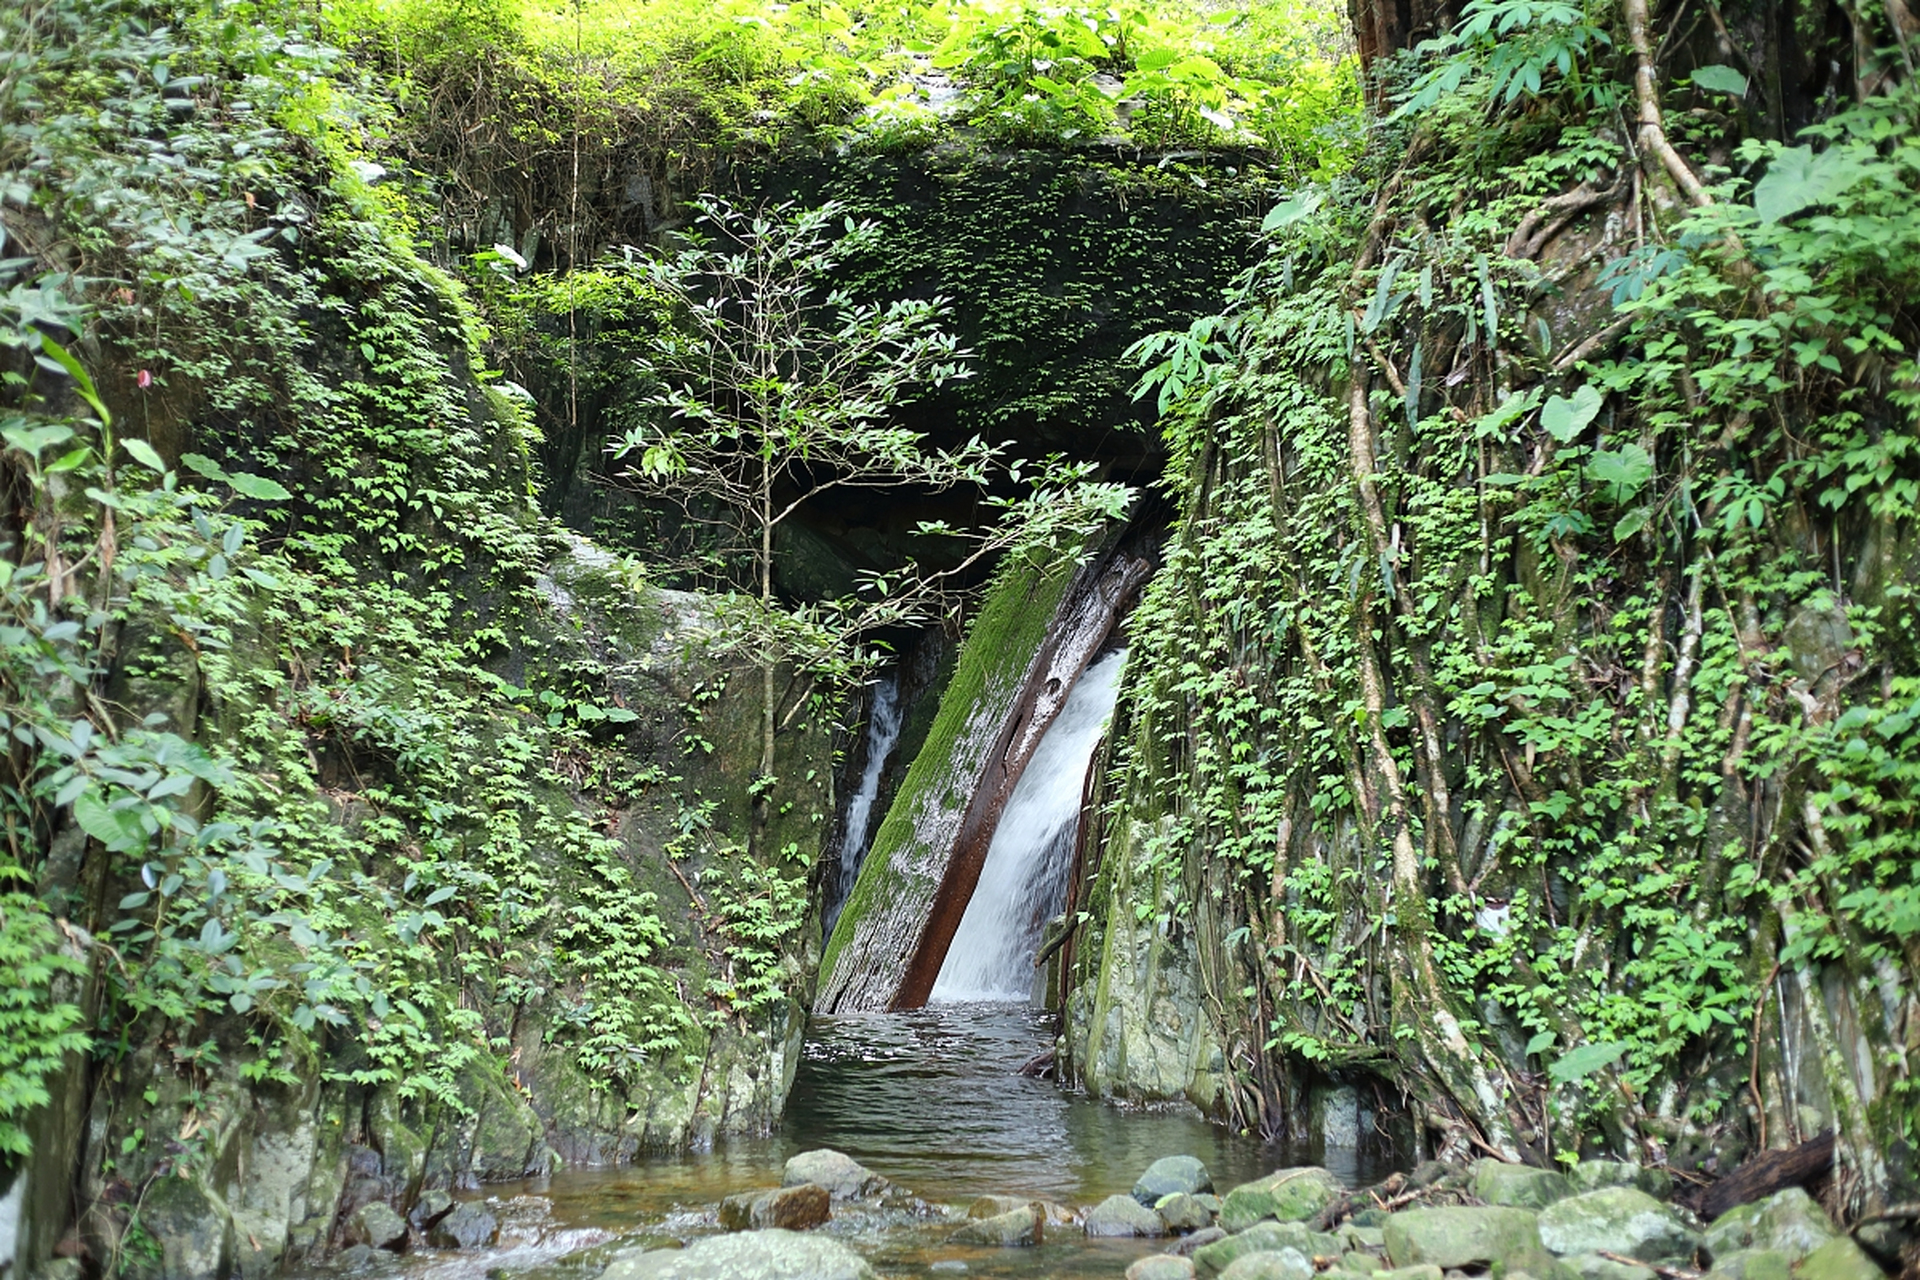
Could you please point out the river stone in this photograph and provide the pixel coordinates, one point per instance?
(1018, 1229)
(467, 1226)
(1161, 1266)
(1360, 1263)
(842, 1176)
(1183, 1213)
(1057, 1215)
(430, 1208)
(1518, 1186)
(1591, 1175)
(1123, 1216)
(1261, 1237)
(1788, 1221)
(1461, 1237)
(736, 1211)
(377, 1224)
(1278, 1264)
(750, 1255)
(1623, 1220)
(1752, 1264)
(1170, 1174)
(1289, 1195)
(798, 1208)
(1839, 1259)
(1592, 1266)
(1187, 1246)
(1365, 1237)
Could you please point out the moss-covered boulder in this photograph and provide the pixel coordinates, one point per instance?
(1286, 1195)
(1788, 1221)
(1620, 1220)
(1519, 1186)
(1462, 1237)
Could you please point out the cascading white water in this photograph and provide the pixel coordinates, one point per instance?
(1023, 883)
(883, 732)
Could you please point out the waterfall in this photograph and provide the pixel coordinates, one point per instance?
(883, 732)
(1023, 883)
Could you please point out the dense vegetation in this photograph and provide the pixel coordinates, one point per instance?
(1534, 670)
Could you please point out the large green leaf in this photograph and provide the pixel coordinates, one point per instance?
(1718, 79)
(118, 829)
(1578, 1064)
(1798, 179)
(1565, 418)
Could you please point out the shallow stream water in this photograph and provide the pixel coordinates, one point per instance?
(929, 1099)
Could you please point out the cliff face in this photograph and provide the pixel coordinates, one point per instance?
(1517, 726)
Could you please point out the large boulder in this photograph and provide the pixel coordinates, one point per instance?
(1261, 1237)
(1461, 1237)
(1170, 1175)
(798, 1208)
(1016, 1229)
(1187, 1246)
(1161, 1266)
(1621, 1220)
(844, 1177)
(193, 1227)
(1518, 1186)
(1281, 1264)
(1839, 1259)
(467, 1226)
(1591, 1266)
(750, 1255)
(1123, 1216)
(1287, 1195)
(1591, 1175)
(377, 1225)
(1788, 1221)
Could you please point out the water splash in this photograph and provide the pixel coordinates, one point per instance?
(883, 733)
(1023, 883)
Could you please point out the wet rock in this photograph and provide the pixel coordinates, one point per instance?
(1161, 1266)
(430, 1208)
(1839, 1259)
(1262, 1237)
(736, 1211)
(357, 1257)
(1017, 1229)
(844, 1177)
(798, 1208)
(1518, 1186)
(948, 1267)
(1788, 1221)
(750, 1255)
(192, 1226)
(1592, 1266)
(1461, 1237)
(1123, 1216)
(378, 1225)
(1056, 1215)
(1282, 1264)
(1592, 1175)
(1623, 1220)
(1170, 1175)
(1288, 1195)
(1183, 1213)
(1752, 1264)
(1189, 1245)
(466, 1226)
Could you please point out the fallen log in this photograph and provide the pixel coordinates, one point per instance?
(1768, 1172)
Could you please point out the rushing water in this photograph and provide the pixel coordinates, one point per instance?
(1023, 882)
(883, 733)
(930, 1100)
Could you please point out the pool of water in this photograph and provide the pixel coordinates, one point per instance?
(931, 1100)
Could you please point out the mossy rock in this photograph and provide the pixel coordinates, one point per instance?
(1788, 1221)
(1518, 1186)
(1462, 1237)
(1620, 1220)
(1286, 1195)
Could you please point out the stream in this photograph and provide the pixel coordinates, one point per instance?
(931, 1100)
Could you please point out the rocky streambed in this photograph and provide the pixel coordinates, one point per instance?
(1600, 1220)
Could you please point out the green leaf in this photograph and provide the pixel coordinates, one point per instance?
(1578, 1064)
(118, 829)
(260, 487)
(1539, 1042)
(204, 465)
(1564, 418)
(143, 453)
(1621, 472)
(1291, 210)
(1797, 179)
(1718, 79)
